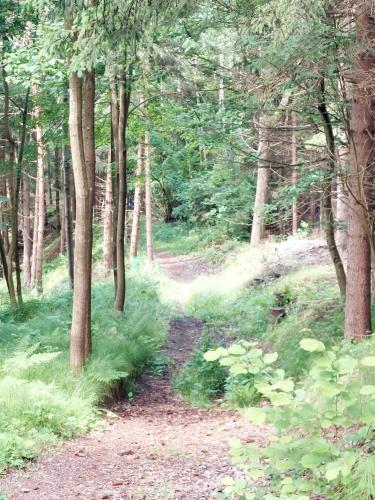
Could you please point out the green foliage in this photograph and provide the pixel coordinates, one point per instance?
(41, 402)
(322, 426)
(199, 382)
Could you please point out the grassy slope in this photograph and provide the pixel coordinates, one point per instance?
(232, 303)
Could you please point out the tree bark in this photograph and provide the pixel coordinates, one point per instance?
(258, 225)
(68, 224)
(341, 216)
(11, 183)
(82, 249)
(294, 176)
(57, 187)
(88, 140)
(137, 203)
(121, 194)
(328, 222)
(41, 200)
(360, 179)
(108, 218)
(26, 231)
(148, 198)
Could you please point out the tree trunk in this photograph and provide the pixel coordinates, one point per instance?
(360, 179)
(82, 249)
(341, 216)
(35, 235)
(137, 203)
(121, 195)
(294, 176)
(41, 201)
(108, 218)
(11, 183)
(68, 213)
(88, 139)
(26, 231)
(328, 222)
(148, 198)
(258, 225)
(57, 187)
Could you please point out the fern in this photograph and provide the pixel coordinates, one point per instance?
(24, 360)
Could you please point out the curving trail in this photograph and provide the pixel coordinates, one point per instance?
(158, 447)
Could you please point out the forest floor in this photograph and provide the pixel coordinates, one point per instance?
(155, 447)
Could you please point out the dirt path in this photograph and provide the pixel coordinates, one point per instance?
(156, 448)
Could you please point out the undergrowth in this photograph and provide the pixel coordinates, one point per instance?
(239, 301)
(198, 382)
(40, 401)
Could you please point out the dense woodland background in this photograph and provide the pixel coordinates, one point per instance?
(221, 127)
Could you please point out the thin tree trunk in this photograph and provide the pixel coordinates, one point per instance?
(121, 204)
(115, 182)
(360, 179)
(327, 213)
(41, 200)
(57, 187)
(258, 225)
(341, 216)
(68, 213)
(35, 235)
(294, 174)
(137, 203)
(108, 218)
(11, 181)
(88, 139)
(26, 231)
(148, 198)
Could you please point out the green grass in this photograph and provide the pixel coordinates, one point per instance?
(230, 301)
(40, 401)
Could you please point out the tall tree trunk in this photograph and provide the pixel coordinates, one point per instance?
(82, 248)
(360, 179)
(294, 176)
(11, 183)
(26, 231)
(68, 224)
(137, 203)
(121, 196)
(115, 181)
(108, 218)
(57, 187)
(41, 200)
(258, 225)
(88, 139)
(327, 213)
(35, 235)
(148, 198)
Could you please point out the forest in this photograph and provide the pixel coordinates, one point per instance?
(187, 249)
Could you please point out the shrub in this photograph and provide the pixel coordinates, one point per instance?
(323, 427)
(199, 382)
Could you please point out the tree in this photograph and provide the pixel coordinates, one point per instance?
(137, 202)
(148, 197)
(360, 178)
(81, 129)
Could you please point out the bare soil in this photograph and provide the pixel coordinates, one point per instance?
(157, 447)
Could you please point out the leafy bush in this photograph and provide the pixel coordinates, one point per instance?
(199, 382)
(323, 427)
